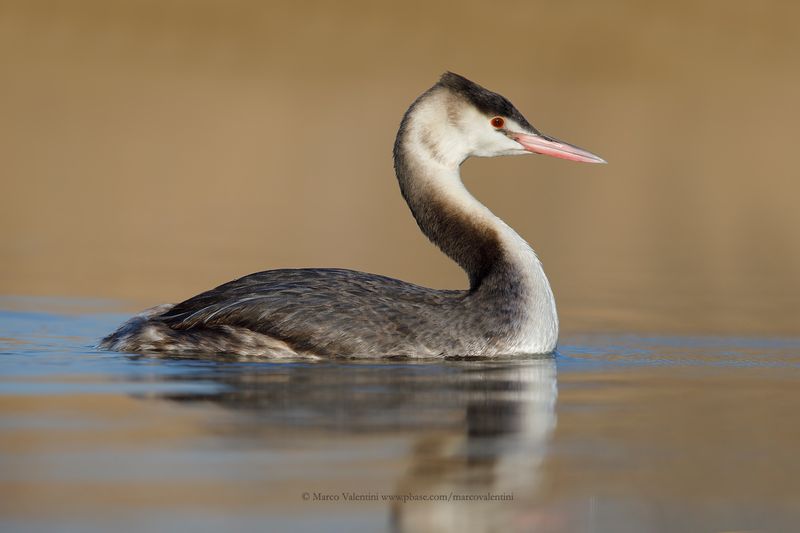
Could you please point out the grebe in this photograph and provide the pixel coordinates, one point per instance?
(509, 308)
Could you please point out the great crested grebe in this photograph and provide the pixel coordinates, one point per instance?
(509, 308)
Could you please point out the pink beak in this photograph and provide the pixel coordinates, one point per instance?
(542, 144)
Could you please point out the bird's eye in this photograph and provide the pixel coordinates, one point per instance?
(498, 122)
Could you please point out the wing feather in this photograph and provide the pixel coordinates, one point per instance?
(320, 310)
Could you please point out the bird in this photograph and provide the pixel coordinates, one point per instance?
(508, 310)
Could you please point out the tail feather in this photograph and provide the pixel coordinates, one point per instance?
(145, 333)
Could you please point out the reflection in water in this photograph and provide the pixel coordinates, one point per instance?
(479, 429)
(654, 434)
(509, 419)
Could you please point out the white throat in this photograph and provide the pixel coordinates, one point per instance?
(432, 160)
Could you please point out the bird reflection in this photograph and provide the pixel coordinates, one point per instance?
(477, 427)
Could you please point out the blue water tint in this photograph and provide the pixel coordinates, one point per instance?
(92, 432)
(36, 345)
(597, 350)
(43, 353)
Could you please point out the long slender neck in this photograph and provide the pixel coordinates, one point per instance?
(505, 275)
(463, 228)
(449, 216)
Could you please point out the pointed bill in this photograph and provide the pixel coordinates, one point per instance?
(542, 144)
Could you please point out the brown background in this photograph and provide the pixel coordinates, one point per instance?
(153, 149)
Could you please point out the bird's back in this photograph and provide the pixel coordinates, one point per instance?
(329, 312)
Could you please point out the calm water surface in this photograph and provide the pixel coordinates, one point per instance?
(616, 433)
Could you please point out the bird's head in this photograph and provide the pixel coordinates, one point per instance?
(458, 118)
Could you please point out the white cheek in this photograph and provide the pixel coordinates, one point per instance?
(510, 145)
(486, 140)
(494, 143)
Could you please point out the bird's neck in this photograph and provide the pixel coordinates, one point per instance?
(463, 228)
(504, 272)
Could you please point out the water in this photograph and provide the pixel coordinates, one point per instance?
(616, 433)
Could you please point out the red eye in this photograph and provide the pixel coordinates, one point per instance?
(498, 122)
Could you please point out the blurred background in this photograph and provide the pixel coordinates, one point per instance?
(153, 149)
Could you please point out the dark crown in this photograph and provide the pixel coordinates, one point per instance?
(486, 101)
